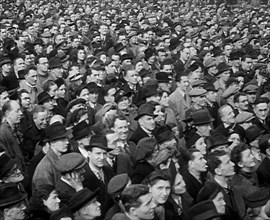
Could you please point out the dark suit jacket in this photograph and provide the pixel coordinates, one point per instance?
(141, 170)
(192, 184)
(226, 131)
(65, 192)
(263, 172)
(179, 66)
(138, 135)
(264, 127)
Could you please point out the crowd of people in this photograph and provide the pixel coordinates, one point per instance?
(133, 110)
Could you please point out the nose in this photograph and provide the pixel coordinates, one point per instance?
(58, 200)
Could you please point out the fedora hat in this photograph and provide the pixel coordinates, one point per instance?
(201, 117)
(217, 140)
(81, 198)
(81, 130)
(10, 194)
(222, 67)
(99, 141)
(43, 97)
(55, 62)
(163, 133)
(56, 131)
(6, 164)
(145, 109)
(203, 210)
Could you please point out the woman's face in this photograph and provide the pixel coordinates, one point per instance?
(139, 66)
(123, 103)
(52, 203)
(219, 203)
(61, 91)
(201, 146)
(81, 55)
(164, 99)
(179, 186)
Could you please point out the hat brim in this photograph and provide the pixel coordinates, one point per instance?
(219, 144)
(19, 197)
(98, 146)
(204, 122)
(224, 70)
(65, 135)
(141, 115)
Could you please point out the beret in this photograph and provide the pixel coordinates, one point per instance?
(70, 162)
(117, 184)
(258, 198)
(243, 117)
(197, 92)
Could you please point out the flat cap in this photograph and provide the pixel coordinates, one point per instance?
(250, 88)
(258, 198)
(75, 102)
(199, 82)
(117, 184)
(210, 62)
(196, 92)
(70, 162)
(244, 117)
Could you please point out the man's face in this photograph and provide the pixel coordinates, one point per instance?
(19, 64)
(198, 163)
(31, 77)
(14, 175)
(199, 100)
(43, 65)
(3, 33)
(243, 103)
(97, 156)
(121, 129)
(93, 97)
(48, 105)
(160, 191)
(184, 83)
(184, 55)
(227, 50)
(16, 212)
(167, 68)
(25, 100)
(161, 56)
(61, 145)
(131, 77)
(226, 168)
(21, 42)
(247, 64)
(94, 77)
(146, 209)
(93, 209)
(228, 115)
(6, 68)
(15, 114)
(40, 119)
(211, 96)
(251, 96)
(261, 110)
(204, 130)
(147, 122)
(58, 72)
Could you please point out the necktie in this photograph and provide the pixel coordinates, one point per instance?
(99, 176)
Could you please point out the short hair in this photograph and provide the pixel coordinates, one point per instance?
(246, 57)
(178, 77)
(237, 96)
(130, 197)
(127, 68)
(7, 106)
(261, 100)
(220, 110)
(236, 155)
(38, 57)
(119, 117)
(264, 143)
(48, 84)
(37, 109)
(32, 67)
(157, 175)
(213, 160)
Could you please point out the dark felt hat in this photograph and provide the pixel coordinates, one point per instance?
(148, 92)
(191, 139)
(258, 198)
(56, 131)
(203, 211)
(117, 184)
(5, 60)
(222, 67)
(55, 62)
(174, 43)
(253, 132)
(81, 198)
(126, 57)
(145, 148)
(92, 87)
(6, 164)
(61, 213)
(163, 77)
(210, 190)
(70, 162)
(118, 47)
(145, 109)
(43, 97)
(99, 141)
(81, 130)
(209, 87)
(163, 133)
(201, 117)
(217, 140)
(10, 194)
